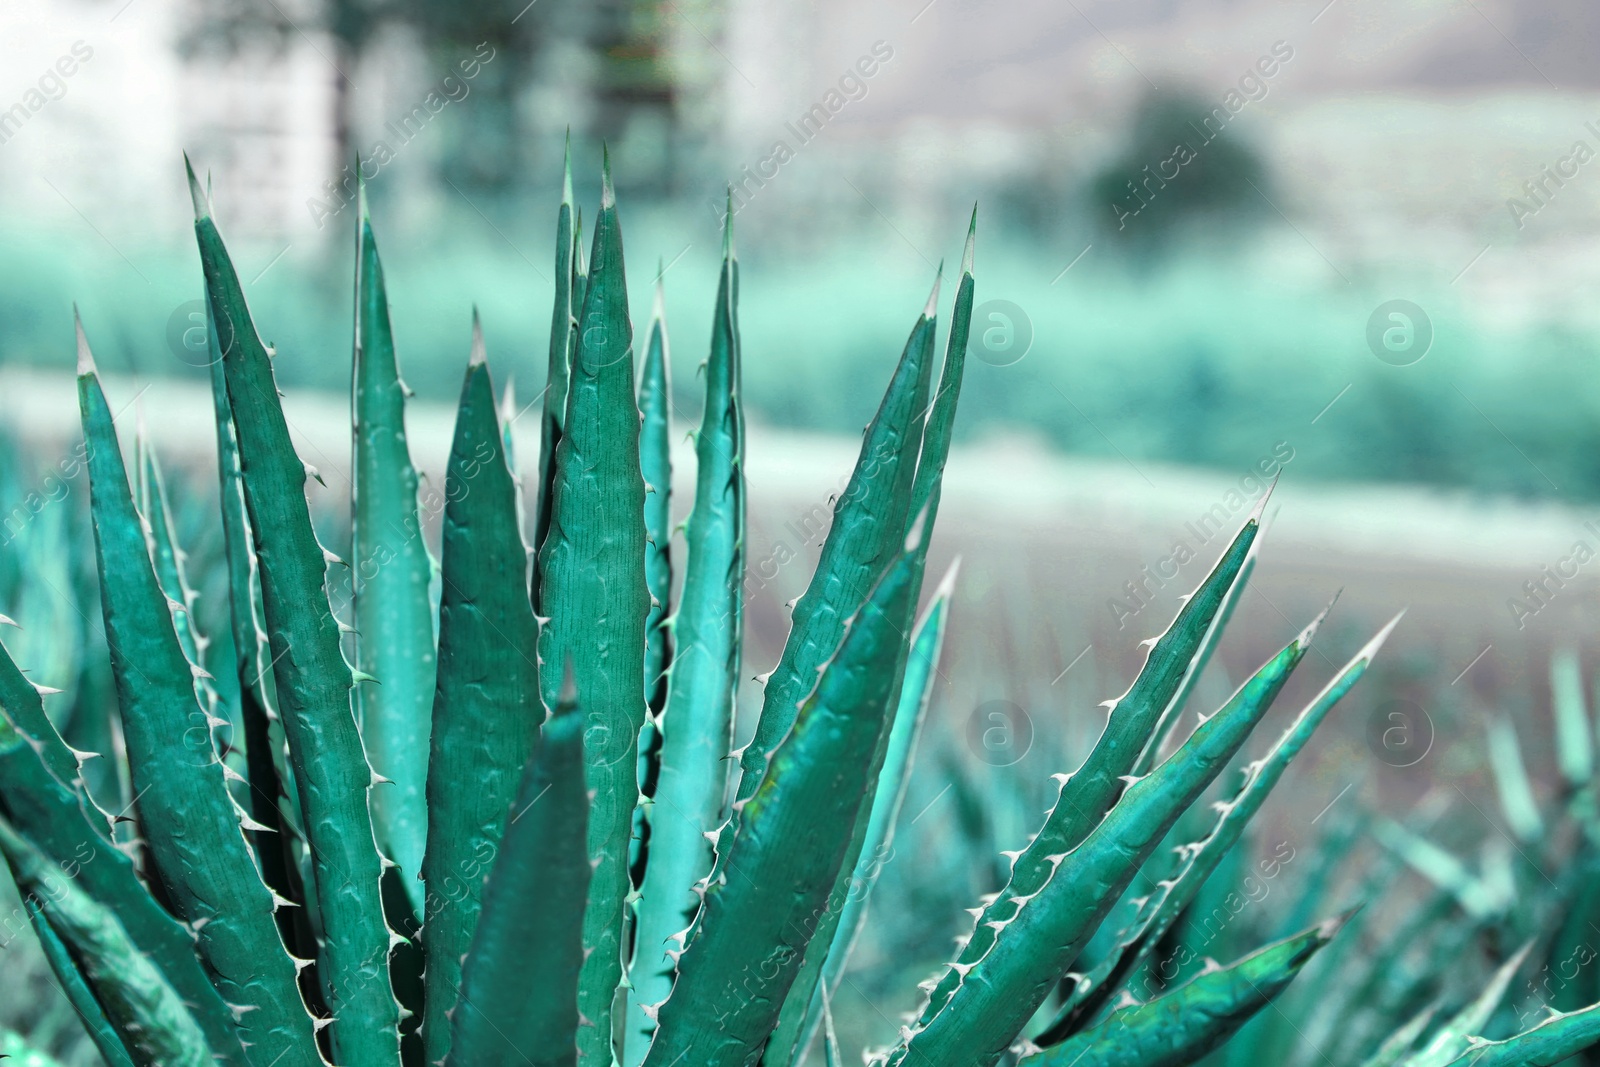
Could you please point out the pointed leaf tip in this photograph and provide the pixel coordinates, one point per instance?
(947, 585)
(1261, 505)
(479, 354)
(1371, 649)
(918, 527)
(972, 241)
(658, 307)
(608, 193)
(727, 227)
(1311, 629)
(932, 307)
(85, 357)
(566, 170)
(202, 203)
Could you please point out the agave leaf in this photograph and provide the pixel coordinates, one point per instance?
(61, 823)
(1511, 783)
(593, 589)
(1398, 1044)
(1549, 1043)
(486, 714)
(517, 1007)
(655, 463)
(885, 479)
(697, 729)
(766, 896)
(829, 951)
(1042, 933)
(563, 344)
(24, 706)
(312, 684)
(1202, 657)
(1477, 897)
(1087, 794)
(156, 1027)
(191, 823)
(1574, 739)
(273, 802)
(76, 988)
(162, 543)
(389, 577)
(1454, 1037)
(1182, 1026)
(869, 523)
(939, 424)
(1170, 897)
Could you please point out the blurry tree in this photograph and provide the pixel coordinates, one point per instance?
(1184, 165)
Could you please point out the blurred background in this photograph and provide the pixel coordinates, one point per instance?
(1348, 244)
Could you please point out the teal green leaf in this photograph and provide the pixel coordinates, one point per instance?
(1397, 1045)
(655, 461)
(869, 523)
(162, 543)
(762, 906)
(156, 1027)
(1478, 897)
(1182, 1026)
(939, 424)
(1087, 794)
(389, 576)
(76, 988)
(593, 590)
(60, 822)
(24, 705)
(520, 1008)
(930, 434)
(824, 969)
(1549, 1043)
(486, 713)
(1517, 801)
(1041, 933)
(1164, 906)
(1202, 657)
(1574, 738)
(311, 678)
(191, 825)
(1455, 1036)
(272, 799)
(698, 724)
(563, 338)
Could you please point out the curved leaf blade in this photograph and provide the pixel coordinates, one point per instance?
(697, 728)
(389, 576)
(311, 677)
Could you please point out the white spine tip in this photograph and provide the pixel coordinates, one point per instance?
(932, 307)
(479, 354)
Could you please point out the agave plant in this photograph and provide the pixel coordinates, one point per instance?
(518, 835)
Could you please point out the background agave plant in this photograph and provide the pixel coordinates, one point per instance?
(508, 828)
